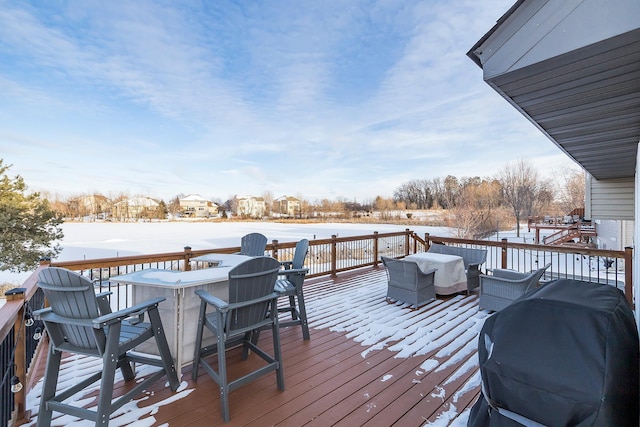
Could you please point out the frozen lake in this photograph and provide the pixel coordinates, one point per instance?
(108, 239)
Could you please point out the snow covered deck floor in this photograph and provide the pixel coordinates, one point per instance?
(368, 363)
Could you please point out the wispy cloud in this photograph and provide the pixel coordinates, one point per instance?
(320, 100)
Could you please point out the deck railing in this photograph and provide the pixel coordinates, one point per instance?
(326, 257)
(18, 349)
(578, 263)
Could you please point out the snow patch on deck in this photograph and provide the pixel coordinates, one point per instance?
(357, 307)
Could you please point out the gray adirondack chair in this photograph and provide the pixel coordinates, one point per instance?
(252, 305)
(253, 244)
(503, 287)
(79, 321)
(408, 283)
(290, 285)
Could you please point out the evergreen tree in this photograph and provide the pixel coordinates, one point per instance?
(162, 210)
(28, 225)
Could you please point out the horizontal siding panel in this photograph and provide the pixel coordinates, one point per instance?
(612, 199)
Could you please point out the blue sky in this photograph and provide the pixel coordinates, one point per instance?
(320, 99)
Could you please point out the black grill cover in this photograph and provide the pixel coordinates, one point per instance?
(566, 354)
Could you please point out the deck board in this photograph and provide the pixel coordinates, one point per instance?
(368, 363)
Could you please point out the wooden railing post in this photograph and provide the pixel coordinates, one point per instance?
(274, 251)
(45, 262)
(414, 248)
(504, 253)
(20, 359)
(407, 233)
(375, 249)
(334, 256)
(427, 242)
(628, 274)
(187, 258)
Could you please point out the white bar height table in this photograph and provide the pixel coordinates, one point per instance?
(179, 312)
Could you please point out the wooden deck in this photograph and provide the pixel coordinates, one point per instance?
(368, 363)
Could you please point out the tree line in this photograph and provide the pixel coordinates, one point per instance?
(476, 205)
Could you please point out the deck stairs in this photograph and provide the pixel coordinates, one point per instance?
(578, 231)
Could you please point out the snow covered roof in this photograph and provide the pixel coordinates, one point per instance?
(139, 201)
(194, 198)
(288, 198)
(240, 197)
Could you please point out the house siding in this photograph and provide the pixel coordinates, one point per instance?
(196, 206)
(611, 198)
(253, 207)
(627, 233)
(609, 234)
(286, 205)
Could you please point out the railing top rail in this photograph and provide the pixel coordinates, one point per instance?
(360, 237)
(531, 246)
(567, 249)
(115, 261)
(461, 241)
(9, 311)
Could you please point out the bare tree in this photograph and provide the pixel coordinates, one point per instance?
(58, 203)
(520, 189)
(451, 191)
(305, 207)
(544, 198)
(173, 207)
(268, 202)
(323, 207)
(384, 206)
(475, 211)
(417, 193)
(571, 189)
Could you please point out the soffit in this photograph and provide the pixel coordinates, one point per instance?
(586, 101)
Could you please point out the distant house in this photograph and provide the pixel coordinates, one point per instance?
(135, 207)
(196, 206)
(287, 206)
(249, 206)
(94, 205)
